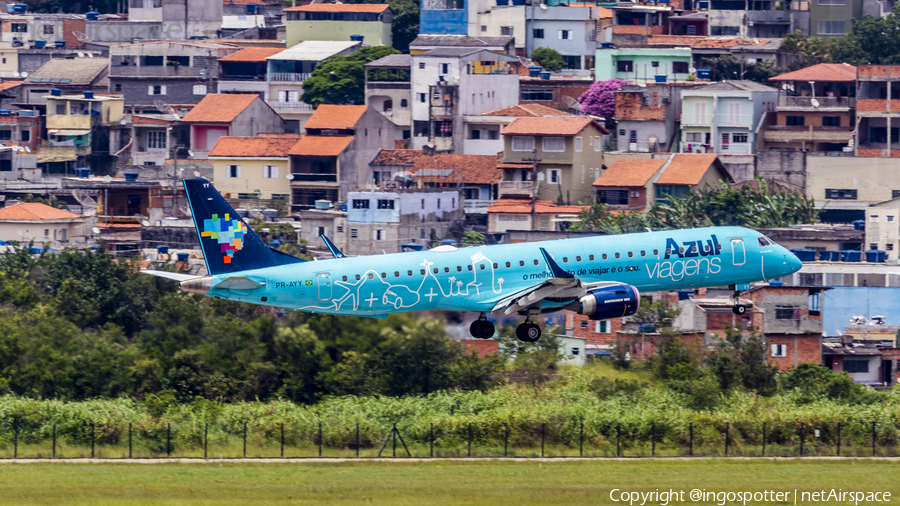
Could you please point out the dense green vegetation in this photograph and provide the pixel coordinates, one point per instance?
(341, 79)
(873, 41)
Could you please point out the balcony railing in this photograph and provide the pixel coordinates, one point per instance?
(279, 105)
(823, 102)
(232, 77)
(769, 17)
(298, 77)
(734, 120)
(307, 177)
(476, 206)
(516, 187)
(387, 86)
(697, 119)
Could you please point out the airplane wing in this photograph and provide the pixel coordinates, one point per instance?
(170, 275)
(563, 285)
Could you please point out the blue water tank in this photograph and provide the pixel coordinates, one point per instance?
(39, 44)
(357, 38)
(131, 176)
(703, 74)
(20, 8)
(60, 43)
(5, 112)
(534, 70)
(252, 8)
(92, 16)
(82, 172)
(607, 45)
(859, 225)
(804, 254)
(411, 246)
(850, 255)
(776, 283)
(875, 256)
(183, 257)
(660, 79)
(449, 242)
(10, 8)
(685, 294)
(829, 256)
(275, 244)
(162, 249)
(88, 93)
(545, 76)
(56, 92)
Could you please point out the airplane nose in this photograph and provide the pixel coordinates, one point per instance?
(792, 263)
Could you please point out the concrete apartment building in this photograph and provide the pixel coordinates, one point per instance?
(570, 29)
(339, 22)
(388, 90)
(181, 19)
(877, 111)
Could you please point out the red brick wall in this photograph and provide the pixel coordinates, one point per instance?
(643, 347)
(574, 321)
(800, 349)
(560, 89)
(814, 118)
(878, 70)
(876, 105)
(70, 26)
(631, 29)
(482, 347)
(628, 106)
(633, 202)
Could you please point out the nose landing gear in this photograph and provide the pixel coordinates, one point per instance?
(738, 308)
(481, 328)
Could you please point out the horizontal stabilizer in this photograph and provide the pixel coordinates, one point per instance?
(170, 275)
(239, 283)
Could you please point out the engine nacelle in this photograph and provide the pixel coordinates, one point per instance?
(609, 302)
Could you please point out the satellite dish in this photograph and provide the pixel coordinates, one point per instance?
(570, 102)
(814, 102)
(290, 177)
(81, 37)
(165, 108)
(90, 55)
(185, 210)
(80, 54)
(15, 74)
(197, 173)
(84, 199)
(95, 230)
(27, 149)
(107, 179)
(190, 153)
(24, 74)
(145, 223)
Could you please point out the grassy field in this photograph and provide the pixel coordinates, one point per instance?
(443, 482)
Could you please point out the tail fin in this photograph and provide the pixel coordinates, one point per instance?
(228, 244)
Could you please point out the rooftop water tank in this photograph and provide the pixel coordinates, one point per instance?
(92, 16)
(162, 249)
(5, 112)
(131, 176)
(859, 225)
(183, 257)
(607, 45)
(776, 283)
(545, 76)
(82, 172)
(40, 44)
(56, 92)
(850, 255)
(323, 204)
(685, 294)
(60, 43)
(660, 79)
(20, 8)
(534, 70)
(357, 38)
(875, 256)
(829, 256)
(804, 254)
(703, 74)
(270, 213)
(88, 94)
(252, 8)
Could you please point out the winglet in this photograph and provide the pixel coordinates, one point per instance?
(331, 247)
(557, 271)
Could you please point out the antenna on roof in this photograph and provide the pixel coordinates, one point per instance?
(165, 108)
(572, 103)
(81, 36)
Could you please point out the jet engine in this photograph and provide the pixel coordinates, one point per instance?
(608, 302)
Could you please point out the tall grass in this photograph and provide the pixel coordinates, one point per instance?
(580, 407)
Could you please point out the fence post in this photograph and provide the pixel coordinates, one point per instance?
(839, 440)
(764, 439)
(92, 440)
(543, 434)
(168, 440)
(205, 439)
(652, 439)
(431, 442)
(245, 440)
(618, 448)
(394, 437)
(505, 438)
(129, 439)
(320, 438)
(727, 430)
(54, 442)
(282, 438)
(581, 440)
(357, 439)
(691, 447)
(15, 439)
(801, 438)
(873, 439)
(470, 439)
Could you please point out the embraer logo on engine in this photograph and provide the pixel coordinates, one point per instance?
(689, 249)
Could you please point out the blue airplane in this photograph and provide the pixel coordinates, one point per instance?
(601, 277)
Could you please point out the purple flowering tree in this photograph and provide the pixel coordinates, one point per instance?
(600, 98)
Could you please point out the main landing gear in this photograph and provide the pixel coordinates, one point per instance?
(481, 328)
(528, 332)
(738, 308)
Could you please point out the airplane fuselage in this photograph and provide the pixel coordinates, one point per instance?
(475, 278)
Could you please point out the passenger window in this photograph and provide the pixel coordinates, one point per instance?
(458, 268)
(357, 277)
(630, 255)
(344, 278)
(656, 252)
(668, 251)
(396, 274)
(706, 248)
(604, 256)
(618, 255)
(681, 250)
(495, 265)
(535, 261)
(446, 269)
(508, 265)
(435, 270)
(522, 263)
(565, 260)
(470, 267)
(591, 258)
(482, 266)
(577, 259)
(409, 273)
(383, 275)
(643, 253)
(693, 249)
(718, 247)
(371, 276)
(422, 271)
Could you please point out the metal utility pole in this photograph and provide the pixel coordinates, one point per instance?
(534, 164)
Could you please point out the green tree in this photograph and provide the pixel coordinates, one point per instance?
(739, 360)
(341, 79)
(548, 58)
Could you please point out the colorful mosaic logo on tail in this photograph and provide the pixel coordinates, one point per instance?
(229, 233)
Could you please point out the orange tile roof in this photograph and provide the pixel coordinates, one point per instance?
(627, 173)
(523, 206)
(253, 54)
(828, 72)
(35, 211)
(605, 13)
(687, 40)
(396, 157)
(339, 8)
(526, 110)
(337, 117)
(155, 121)
(514, 166)
(9, 84)
(218, 108)
(550, 126)
(321, 145)
(710, 42)
(686, 169)
(468, 169)
(264, 146)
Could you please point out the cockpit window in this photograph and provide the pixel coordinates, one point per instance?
(764, 241)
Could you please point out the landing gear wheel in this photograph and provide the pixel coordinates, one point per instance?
(739, 309)
(528, 332)
(481, 329)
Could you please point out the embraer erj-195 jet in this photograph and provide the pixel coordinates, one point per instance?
(600, 277)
